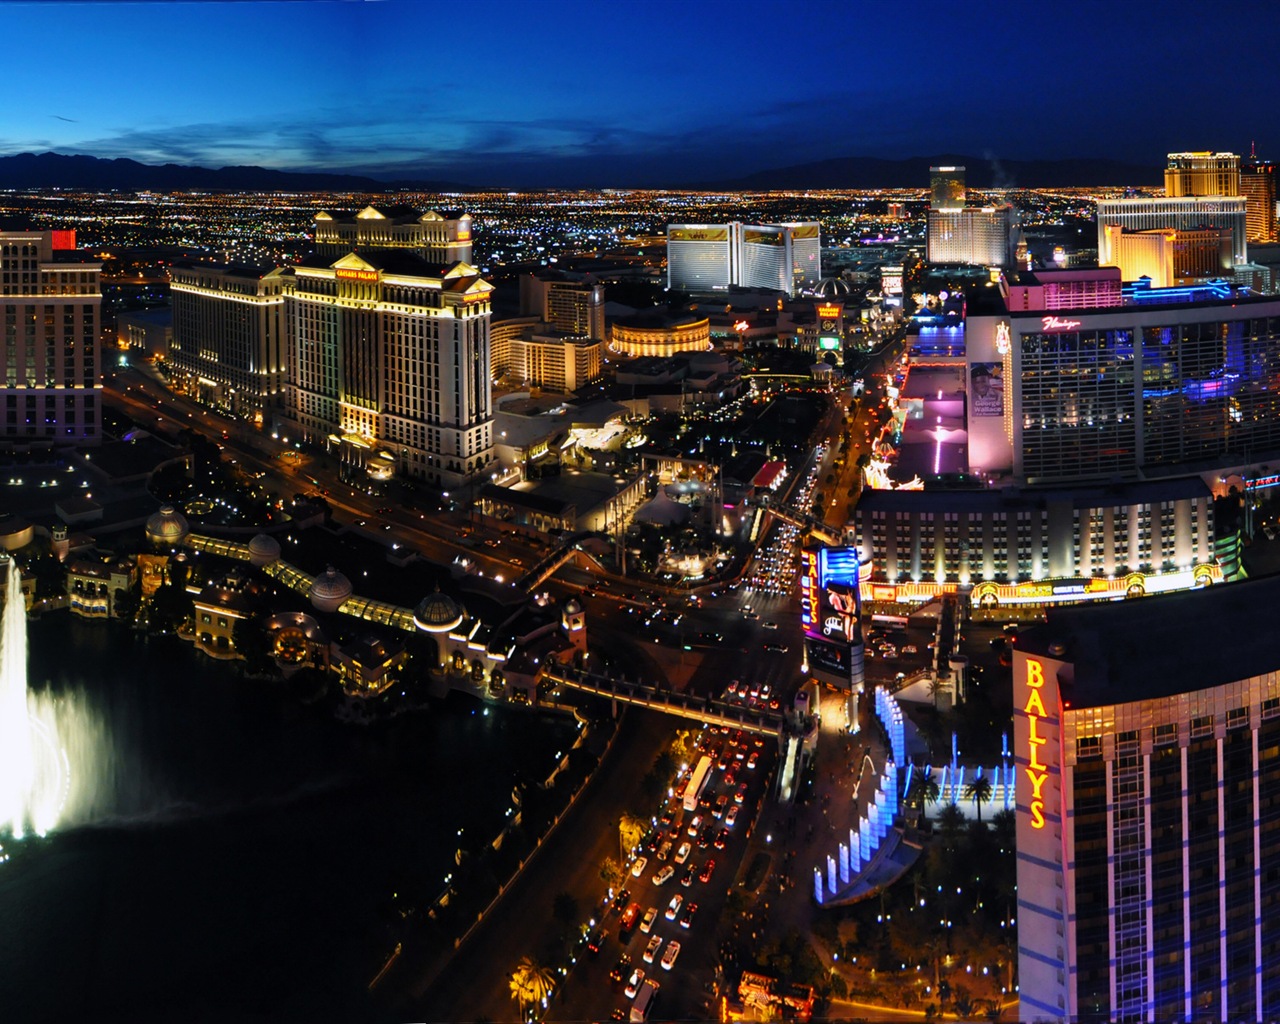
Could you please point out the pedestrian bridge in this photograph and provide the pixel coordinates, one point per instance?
(709, 711)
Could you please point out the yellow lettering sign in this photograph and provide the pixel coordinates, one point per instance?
(1037, 771)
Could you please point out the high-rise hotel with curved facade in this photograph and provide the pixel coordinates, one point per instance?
(1147, 739)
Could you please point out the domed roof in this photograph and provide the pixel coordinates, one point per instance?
(437, 613)
(263, 550)
(329, 590)
(167, 527)
(833, 288)
(572, 607)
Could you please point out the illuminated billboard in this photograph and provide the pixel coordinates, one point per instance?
(834, 659)
(64, 239)
(830, 601)
(828, 344)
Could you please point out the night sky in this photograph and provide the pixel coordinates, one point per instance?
(563, 92)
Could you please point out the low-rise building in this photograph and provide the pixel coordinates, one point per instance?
(93, 587)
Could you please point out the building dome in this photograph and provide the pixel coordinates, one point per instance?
(437, 613)
(329, 590)
(166, 528)
(833, 288)
(263, 550)
(572, 607)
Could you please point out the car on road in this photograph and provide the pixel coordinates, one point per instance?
(664, 851)
(650, 916)
(740, 794)
(687, 878)
(682, 854)
(669, 957)
(628, 923)
(651, 950)
(637, 869)
(777, 648)
(707, 870)
(620, 969)
(722, 837)
(595, 941)
(731, 817)
(769, 625)
(673, 908)
(634, 982)
(754, 759)
(620, 900)
(910, 649)
(686, 919)
(664, 876)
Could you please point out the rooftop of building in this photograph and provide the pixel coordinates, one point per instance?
(396, 214)
(395, 261)
(655, 319)
(1163, 645)
(977, 498)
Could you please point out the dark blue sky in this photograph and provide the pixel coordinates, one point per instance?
(613, 92)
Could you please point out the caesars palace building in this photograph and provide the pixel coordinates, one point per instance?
(1090, 466)
(1147, 743)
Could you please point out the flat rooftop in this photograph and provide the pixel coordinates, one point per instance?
(1163, 645)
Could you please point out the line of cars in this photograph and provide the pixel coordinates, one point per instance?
(671, 855)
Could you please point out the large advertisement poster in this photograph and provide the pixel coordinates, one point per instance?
(986, 389)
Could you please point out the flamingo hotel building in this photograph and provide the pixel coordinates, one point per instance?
(1094, 458)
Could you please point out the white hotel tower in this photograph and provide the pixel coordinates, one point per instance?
(715, 257)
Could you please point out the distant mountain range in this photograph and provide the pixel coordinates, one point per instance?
(982, 172)
(52, 170)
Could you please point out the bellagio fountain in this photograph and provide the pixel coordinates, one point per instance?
(35, 772)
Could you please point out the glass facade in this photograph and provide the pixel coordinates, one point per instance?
(1078, 405)
(1108, 402)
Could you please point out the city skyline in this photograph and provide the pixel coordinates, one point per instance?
(686, 96)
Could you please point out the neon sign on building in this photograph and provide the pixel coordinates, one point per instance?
(1054, 323)
(1037, 772)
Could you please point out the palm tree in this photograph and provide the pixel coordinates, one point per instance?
(531, 983)
(631, 830)
(950, 822)
(979, 791)
(926, 786)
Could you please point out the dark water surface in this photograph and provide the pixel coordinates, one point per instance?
(240, 861)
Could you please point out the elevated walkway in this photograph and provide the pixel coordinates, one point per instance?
(695, 708)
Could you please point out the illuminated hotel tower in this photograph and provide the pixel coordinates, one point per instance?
(389, 359)
(50, 374)
(947, 188)
(1202, 174)
(1258, 186)
(228, 337)
(1148, 809)
(714, 257)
